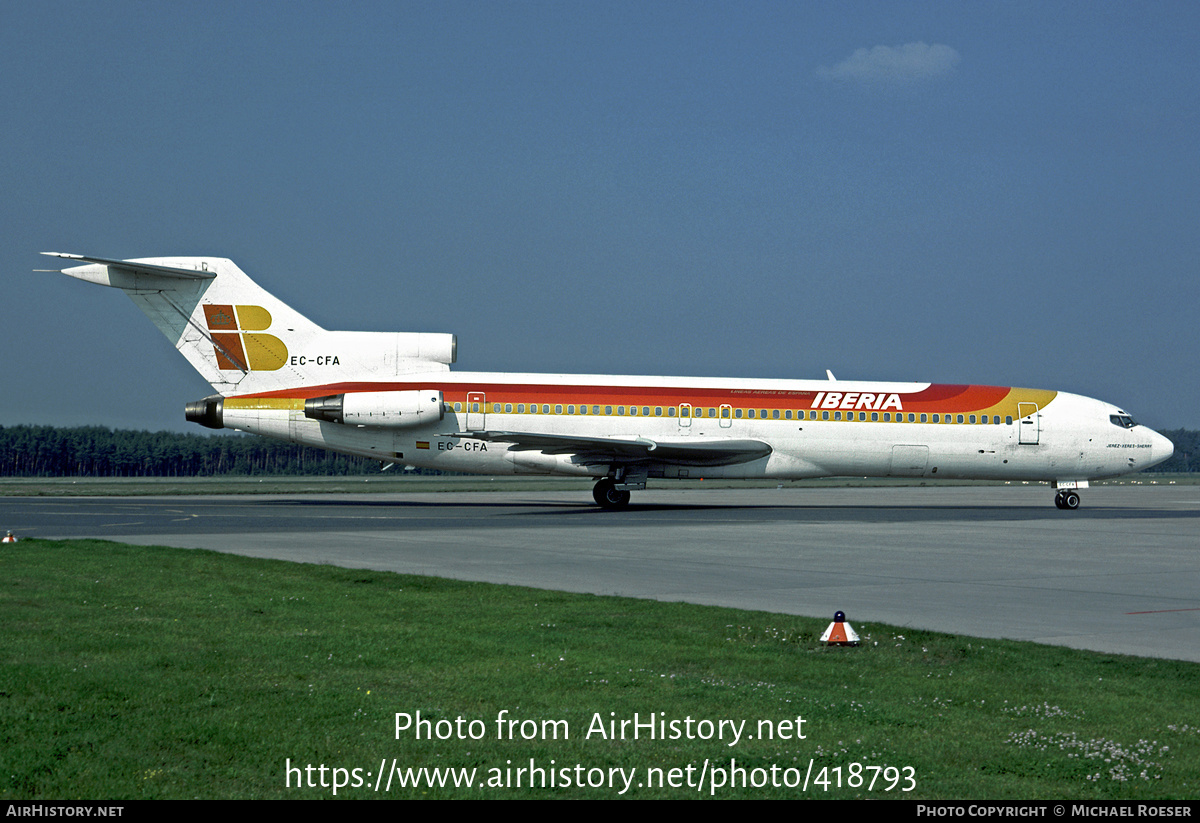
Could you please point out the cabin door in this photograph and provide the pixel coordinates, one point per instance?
(1029, 431)
(476, 411)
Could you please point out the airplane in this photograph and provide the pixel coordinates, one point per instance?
(393, 397)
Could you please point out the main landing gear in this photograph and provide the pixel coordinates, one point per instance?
(608, 496)
(1067, 499)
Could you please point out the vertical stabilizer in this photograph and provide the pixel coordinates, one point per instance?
(243, 340)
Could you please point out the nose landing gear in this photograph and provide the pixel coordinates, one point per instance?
(1067, 499)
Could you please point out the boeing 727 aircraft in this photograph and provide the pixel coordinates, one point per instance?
(393, 397)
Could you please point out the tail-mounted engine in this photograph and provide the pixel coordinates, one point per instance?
(208, 412)
(378, 409)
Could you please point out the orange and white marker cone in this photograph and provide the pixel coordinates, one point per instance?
(9, 538)
(840, 632)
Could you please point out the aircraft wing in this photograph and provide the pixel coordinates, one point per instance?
(691, 451)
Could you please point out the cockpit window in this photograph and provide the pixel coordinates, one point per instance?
(1122, 420)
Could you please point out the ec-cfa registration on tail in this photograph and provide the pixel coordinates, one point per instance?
(394, 398)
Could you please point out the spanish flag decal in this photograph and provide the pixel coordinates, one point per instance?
(239, 341)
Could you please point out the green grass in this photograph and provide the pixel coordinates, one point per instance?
(130, 672)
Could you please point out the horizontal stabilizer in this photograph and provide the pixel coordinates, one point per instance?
(136, 267)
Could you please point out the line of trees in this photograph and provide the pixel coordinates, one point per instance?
(1187, 451)
(95, 451)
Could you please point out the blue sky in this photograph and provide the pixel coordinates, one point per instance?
(1000, 193)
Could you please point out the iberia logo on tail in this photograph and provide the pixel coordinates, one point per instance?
(239, 341)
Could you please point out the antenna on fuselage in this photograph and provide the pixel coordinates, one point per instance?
(829, 374)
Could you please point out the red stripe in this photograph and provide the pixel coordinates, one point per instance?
(939, 397)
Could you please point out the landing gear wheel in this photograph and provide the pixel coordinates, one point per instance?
(1067, 500)
(608, 497)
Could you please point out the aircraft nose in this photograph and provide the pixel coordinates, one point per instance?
(1160, 448)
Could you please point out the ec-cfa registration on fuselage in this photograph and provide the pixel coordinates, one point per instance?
(392, 396)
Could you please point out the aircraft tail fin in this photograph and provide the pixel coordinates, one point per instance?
(244, 340)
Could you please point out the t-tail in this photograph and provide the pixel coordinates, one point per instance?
(245, 341)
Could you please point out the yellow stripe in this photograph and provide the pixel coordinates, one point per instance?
(287, 403)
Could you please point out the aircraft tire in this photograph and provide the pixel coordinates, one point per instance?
(1070, 501)
(608, 497)
(1058, 501)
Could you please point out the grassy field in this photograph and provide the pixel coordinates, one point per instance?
(130, 672)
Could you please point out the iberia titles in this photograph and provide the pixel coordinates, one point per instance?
(856, 400)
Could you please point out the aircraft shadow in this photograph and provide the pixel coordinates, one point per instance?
(801, 512)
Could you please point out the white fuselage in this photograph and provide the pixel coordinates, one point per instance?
(813, 428)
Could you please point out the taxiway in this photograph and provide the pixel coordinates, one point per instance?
(1121, 574)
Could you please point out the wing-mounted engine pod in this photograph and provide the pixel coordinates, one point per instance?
(208, 412)
(378, 409)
